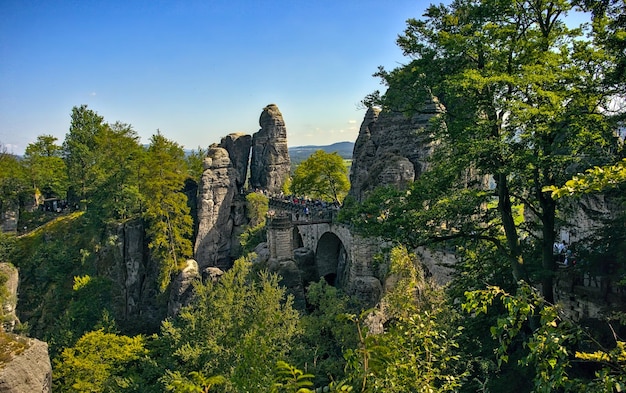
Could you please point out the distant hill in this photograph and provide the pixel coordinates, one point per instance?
(298, 154)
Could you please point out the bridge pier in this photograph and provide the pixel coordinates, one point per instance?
(343, 259)
(280, 237)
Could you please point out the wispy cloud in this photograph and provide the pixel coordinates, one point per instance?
(9, 147)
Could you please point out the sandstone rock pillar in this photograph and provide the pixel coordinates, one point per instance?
(270, 164)
(216, 191)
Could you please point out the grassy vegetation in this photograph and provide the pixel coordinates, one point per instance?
(11, 345)
(49, 257)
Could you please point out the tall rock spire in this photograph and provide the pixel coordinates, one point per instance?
(270, 163)
(216, 191)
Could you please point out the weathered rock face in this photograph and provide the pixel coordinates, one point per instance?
(290, 279)
(134, 276)
(238, 147)
(182, 287)
(270, 164)
(216, 192)
(29, 371)
(305, 260)
(391, 149)
(8, 219)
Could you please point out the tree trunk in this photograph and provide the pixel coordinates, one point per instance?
(506, 212)
(548, 212)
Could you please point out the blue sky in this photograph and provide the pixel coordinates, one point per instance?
(196, 70)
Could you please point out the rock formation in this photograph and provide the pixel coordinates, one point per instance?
(216, 192)
(221, 203)
(25, 363)
(134, 276)
(270, 164)
(182, 287)
(391, 149)
(238, 147)
(28, 370)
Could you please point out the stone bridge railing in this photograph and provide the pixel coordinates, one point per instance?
(302, 212)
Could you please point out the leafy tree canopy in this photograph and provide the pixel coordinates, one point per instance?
(165, 206)
(524, 107)
(45, 167)
(238, 328)
(321, 176)
(99, 362)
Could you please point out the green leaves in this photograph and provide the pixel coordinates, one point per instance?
(321, 176)
(195, 383)
(238, 328)
(45, 167)
(550, 344)
(165, 206)
(522, 99)
(597, 179)
(291, 380)
(99, 362)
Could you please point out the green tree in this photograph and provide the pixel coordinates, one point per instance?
(257, 206)
(419, 350)
(609, 27)
(321, 176)
(195, 163)
(238, 328)
(13, 181)
(554, 346)
(597, 179)
(99, 362)
(324, 336)
(104, 162)
(169, 225)
(523, 107)
(45, 166)
(291, 380)
(119, 158)
(80, 151)
(7, 246)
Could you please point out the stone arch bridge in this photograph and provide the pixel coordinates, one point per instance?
(307, 235)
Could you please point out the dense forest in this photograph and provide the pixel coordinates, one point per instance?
(531, 114)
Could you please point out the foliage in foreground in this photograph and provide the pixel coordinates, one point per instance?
(238, 328)
(554, 346)
(99, 362)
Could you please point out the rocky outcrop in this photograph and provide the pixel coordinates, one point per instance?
(221, 212)
(24, 362)
(212, 274)
(216, 192)
(305, 260)
(238, 147)
(134, 276)
(8, 219)
(182, 287)
(391, 149)
(270, 163)
(291, 279)
(29, 369)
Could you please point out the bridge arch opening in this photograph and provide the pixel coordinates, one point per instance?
(297, 238)
(331, 259)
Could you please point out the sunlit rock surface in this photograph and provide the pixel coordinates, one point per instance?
(270, 163)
